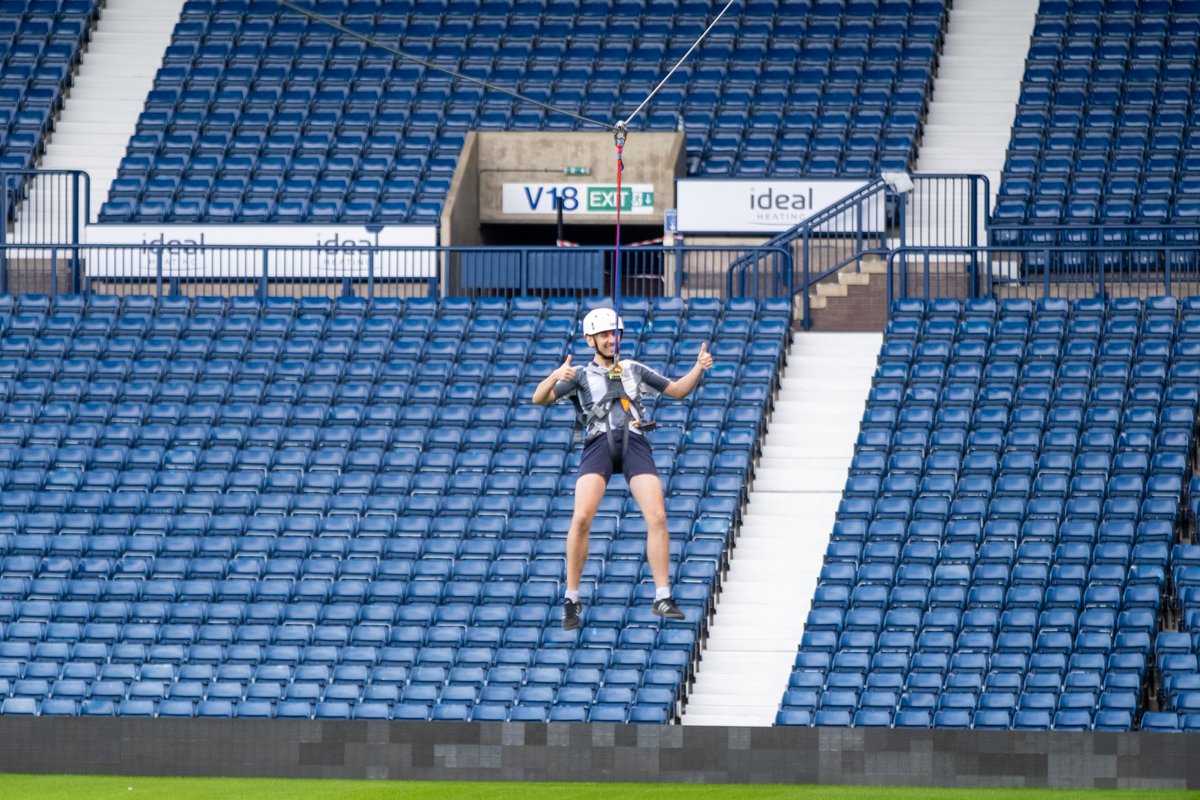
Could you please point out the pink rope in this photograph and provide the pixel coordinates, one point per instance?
(620, 139)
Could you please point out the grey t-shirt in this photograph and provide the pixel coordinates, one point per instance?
(590, 385)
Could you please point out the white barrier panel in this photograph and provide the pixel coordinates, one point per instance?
(767, 205)
(577, 198)
(330, 251)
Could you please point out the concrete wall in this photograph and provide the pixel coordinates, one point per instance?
(543, 156)
(597, 752)
(460, 213)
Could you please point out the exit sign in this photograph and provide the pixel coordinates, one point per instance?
(603, 199)
(576, 198)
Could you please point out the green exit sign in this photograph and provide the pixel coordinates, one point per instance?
(579, 170)
(604, 199)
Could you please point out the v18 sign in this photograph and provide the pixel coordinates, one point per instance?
(577, 198)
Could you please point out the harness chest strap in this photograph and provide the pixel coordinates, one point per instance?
(616, 392)
(603, 407)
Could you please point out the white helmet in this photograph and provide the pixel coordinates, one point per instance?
(599, 320)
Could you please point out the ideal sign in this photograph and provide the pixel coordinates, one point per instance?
(576, 198)
(760, 206)
(307, 251)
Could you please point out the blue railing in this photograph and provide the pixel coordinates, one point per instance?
(929, 209)
(836, 237)
(945, 210)
(44, 206)
(160, 268)
(1034, 271)
(1147, 237)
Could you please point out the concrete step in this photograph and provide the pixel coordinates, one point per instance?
(826, 289)
(75, 131)
(812, 479)
(777, 555)
(713, 719)
(990, 70)
(733, 691)
(760, 542)
(839, 391)
(980, 68)
(817, 421)
(735, 663)
(109, 91)
(968, 138)
(794, 530)
(968, 92)
(755, 603)
(791, 548)
(774, 527)
(738, 693)
(807, 404)
(943, 115)
(823, 439)
(802, 470)
(813, 410)
(968, 41)
(804, 578)
(76, 153)
(823, 462)
(838, 370)
(767, 567)
(985, 162)
(845, 362)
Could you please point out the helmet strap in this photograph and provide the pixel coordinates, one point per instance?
(604, 360)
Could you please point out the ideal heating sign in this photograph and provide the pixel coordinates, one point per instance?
(577, 198)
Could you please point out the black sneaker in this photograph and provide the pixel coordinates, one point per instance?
(570, 617)
(665, 608)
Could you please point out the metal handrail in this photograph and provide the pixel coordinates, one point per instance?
(15, 183)
(1044, 270)
(158, 268)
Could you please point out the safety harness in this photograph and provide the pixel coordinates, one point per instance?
(603, 408)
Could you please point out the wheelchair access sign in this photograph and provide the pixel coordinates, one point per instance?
(576, 198)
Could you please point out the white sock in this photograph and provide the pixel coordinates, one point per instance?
(573, 595)
(662, 592)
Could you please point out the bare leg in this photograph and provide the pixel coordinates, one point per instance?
(647, 490)
(589, 491)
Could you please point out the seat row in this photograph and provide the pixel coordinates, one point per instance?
(428, 308)
(1084, 67)
(612, 712)
(262, 68)
(917, 569)
(40, 47)
(381, 570)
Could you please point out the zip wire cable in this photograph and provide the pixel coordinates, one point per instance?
(362, 37)
(678, 64)
(620, 127)
(619, 130)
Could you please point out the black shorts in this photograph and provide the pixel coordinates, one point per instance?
(635, 458)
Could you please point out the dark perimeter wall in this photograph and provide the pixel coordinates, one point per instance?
(596, 752)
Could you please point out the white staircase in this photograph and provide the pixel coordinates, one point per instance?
(766, 596)
(108, 94)
(974, 103)
(977, 86)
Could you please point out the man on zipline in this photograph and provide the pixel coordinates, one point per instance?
(608, 396)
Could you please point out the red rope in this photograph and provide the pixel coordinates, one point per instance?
(620, 139)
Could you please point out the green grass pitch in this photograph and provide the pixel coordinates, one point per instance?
(87, 787)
